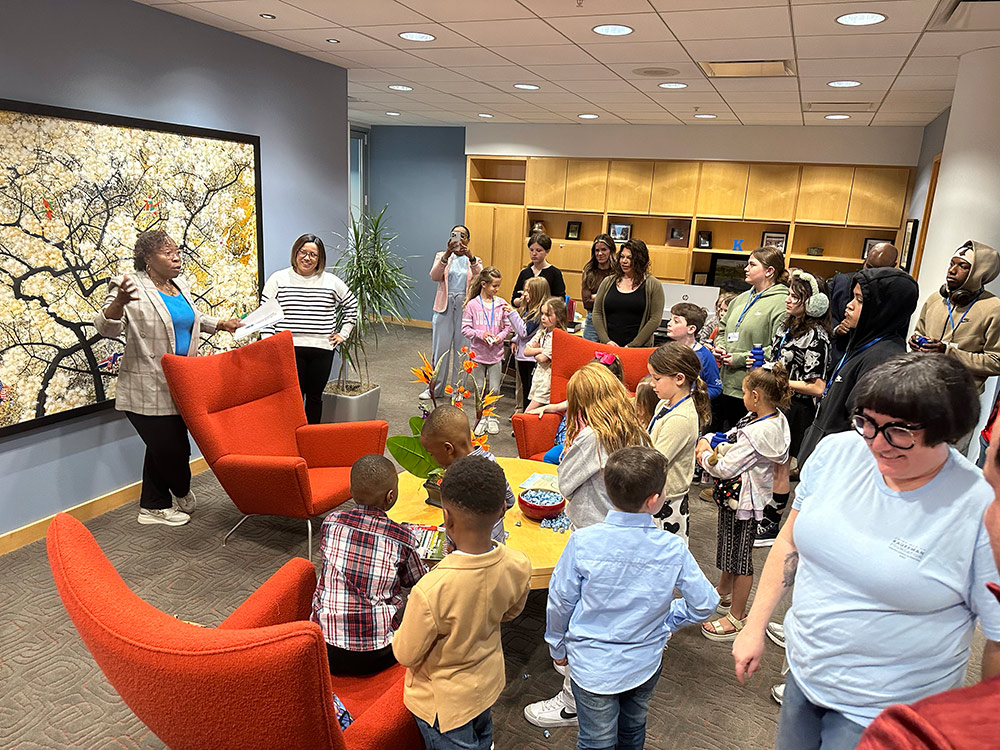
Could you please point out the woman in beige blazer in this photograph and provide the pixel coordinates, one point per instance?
(157, 313)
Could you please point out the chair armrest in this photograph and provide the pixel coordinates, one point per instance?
(284, 597)
(386, 723)
(266, 485)
(534, 435)
(341, 443)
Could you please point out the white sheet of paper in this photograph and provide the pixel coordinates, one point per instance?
(268, 313)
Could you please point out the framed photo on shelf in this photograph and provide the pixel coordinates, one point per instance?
(703, 240)
(870, 242)
(678, 231)
(731, 268)
(620, 232)
(909, 244)
(774, 239)
(700, 279)
(573, 230)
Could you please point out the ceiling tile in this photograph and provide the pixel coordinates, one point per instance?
(847, 67)
(648, 53)
(663, 119)
(463, 10)
(384, 58)
(694, 100)
(464, 87)
(924, 83)
(198, 13)
(930, 66)
(868, 83)
(729, 24)
(764, 106)
(672, 5)
(860, 45)
(724, 85)
(366, 13)
(248, 12)
(942, 98)
(941, 43)
(503, 73)
(758, 48)
(593, 72)
(770, 118)
(545, 54)
(549, 99)
(858, 119)
(444, 37)
(499, 98)
(902, 118)
(755, 96)
(269, 37)
(901, 16)
(427, 75)
(512, 33)
(685, 70)
(461, 56)
(558, 8)
(347, 39)
(648, 27)
(616, 86)
(635, 98)
(369, 76)
(652, 85)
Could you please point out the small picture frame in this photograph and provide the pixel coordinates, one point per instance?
(703, 241)
(774, 239)
(678, 231)
(573, 230)
(700, 279)
(620, 232)
(909, 245)
(870, 242)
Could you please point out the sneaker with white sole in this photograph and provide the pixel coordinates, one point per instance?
(187, 503)
(776, 632)
(426, 395)
(166, 516)
(767, 532)
(778, 693)
(492, 425)
(550, 713)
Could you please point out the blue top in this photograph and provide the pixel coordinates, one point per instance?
(611, 600)
(709, 370)
(458, 276)
(183, 318)
(889, 584)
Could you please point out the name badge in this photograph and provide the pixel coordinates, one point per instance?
(733, 336)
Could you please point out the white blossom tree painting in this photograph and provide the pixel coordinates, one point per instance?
(75, 190)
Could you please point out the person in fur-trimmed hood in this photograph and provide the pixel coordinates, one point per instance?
(963, 319)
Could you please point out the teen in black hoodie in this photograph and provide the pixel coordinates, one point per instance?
(889, 297)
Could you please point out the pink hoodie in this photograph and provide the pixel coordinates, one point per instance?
(481, 318)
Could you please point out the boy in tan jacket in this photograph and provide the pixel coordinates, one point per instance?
(449, 639)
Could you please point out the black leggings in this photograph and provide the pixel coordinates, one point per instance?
(166, 467)
(359, 663)
(524, 371)
(314, 366)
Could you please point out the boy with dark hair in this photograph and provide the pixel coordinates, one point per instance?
(686, 319)
(611, 602)
(450, 636)
(368, 559)
(447, 436)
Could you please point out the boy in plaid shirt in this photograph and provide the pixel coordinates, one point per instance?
(368, 559)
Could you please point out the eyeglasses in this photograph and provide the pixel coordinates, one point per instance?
(897, 434)
(308, 255)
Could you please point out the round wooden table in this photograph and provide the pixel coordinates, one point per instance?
(542, 546)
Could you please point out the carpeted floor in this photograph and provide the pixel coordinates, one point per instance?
(56, 697)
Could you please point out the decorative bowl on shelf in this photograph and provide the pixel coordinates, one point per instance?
(544, 508)
(814, 251)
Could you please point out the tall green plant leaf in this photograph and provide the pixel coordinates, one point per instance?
(416, 425)
(411, 455)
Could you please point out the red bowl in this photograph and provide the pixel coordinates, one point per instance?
(540, 512)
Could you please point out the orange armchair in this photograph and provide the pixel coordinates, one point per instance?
(535, 436)
(259, 680)
(244, 410)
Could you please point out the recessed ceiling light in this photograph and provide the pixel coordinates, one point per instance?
(587, 117)
(486, 116)
(268, 16)
(613, 29)
(860, 19)
(417, 36)
(526, 86)
(673, 85)
(837, 117)
(844, 84)
(399, 87)
(333, 41)
(393, 114)
(706, 117)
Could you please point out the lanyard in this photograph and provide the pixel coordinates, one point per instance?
(753, 298)
(843, 361)
(664, 412)
(492, 316)
(776, 352)
(951, 320)
(761, 419)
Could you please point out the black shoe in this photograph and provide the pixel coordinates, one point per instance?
(767, 532)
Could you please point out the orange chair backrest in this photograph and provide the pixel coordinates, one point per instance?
(570, 353)
(242, 401)
(195, 687)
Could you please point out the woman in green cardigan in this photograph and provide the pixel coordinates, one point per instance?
(628, 306)
(751, 320)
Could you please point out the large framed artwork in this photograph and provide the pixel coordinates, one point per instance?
(75, 190)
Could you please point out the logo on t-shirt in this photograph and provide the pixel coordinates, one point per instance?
(904, 548)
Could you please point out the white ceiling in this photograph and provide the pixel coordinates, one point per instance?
(483, 47)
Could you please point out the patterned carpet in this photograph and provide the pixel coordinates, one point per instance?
(56, 697)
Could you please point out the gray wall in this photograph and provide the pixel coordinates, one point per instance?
(420, 174)
(124, 58)
(931, 145)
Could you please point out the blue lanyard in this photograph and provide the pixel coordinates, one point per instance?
(951, 320)
(492, 316)
(664, 412)
(776, 352)
(761, 419)
(753, 298)
(843, 361)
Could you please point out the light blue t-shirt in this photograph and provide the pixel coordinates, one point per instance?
(458, 275)
(889, 584)
(183, 319)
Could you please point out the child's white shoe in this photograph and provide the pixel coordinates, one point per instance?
(550, 713)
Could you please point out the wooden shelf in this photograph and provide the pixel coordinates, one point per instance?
(829, 258)
(506, 182)
(718, 251)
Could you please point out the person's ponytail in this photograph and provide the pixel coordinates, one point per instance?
(702, 403)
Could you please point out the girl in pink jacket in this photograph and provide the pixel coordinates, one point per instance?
(485, 324)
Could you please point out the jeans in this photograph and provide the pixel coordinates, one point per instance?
(804, 726)
(475, 735)
(589, 332)
(617, 721)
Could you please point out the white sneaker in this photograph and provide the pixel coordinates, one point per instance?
(166, 516)
(778, 693)
(550, 713)
(776, 632)
(492, 425)
(426, 395)
(187, 503)
(481, 427)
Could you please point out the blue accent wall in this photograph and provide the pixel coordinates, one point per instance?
(130, 59)
(420, 174)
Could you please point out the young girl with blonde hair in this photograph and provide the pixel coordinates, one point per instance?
(540, 347)
(684, 405)
(485, 324)
(525, 319)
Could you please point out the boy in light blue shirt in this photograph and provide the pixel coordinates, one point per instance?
(611, 603)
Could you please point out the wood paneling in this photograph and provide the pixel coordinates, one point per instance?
(878, 196)
(675, 187)
(508, 237)
(629, 186)
(771, 191)
(586, 184)
(479, 220)
(723, 189)
(668, 264)
(546, 183)
(824, 194)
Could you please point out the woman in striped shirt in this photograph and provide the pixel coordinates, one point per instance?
(319, 310)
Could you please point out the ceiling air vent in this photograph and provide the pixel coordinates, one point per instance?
(839, 107)
(749, 69)
(656, 72)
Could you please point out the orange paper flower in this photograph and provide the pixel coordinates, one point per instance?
(468, 365)
(458, 404)
(472, 354)
(448, 389)
(464, 350)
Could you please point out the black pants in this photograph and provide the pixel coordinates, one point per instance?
(314, 366)
(524, 371)
(166, 468)
(359, 663)
(726, 412)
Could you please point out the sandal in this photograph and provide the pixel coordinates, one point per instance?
(725, 604)
(715, 630)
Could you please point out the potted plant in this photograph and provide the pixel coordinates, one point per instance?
(374, 273)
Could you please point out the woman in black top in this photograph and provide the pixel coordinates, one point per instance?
(539, 245)
(628, 306)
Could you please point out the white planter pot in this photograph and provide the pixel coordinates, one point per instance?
(343, 408)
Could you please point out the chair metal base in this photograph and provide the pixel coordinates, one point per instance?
(309, 534)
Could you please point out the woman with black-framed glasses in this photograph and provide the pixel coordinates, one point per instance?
(889, 556)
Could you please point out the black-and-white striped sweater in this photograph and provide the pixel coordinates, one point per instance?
(312, 305)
